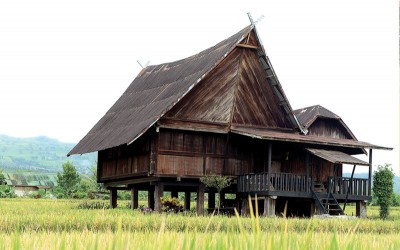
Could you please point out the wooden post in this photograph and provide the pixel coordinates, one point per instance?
(150, 198)
(244, 208)
(370, 172)
(319, 169)
(361, 209)
(159, 189)
(221, 199)
(349, 187)
(113, 197)
(211, 200)
(134, 198)
(269, 163)
(307, 172)
(269, 206)
(174, 194)
(186, 205)
(200, 200)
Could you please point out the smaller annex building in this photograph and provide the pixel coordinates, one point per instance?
(25, 183)
(223, 112)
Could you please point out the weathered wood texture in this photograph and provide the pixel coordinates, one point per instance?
(124, 161)
(329, 128)
(185, 153)
(236, 92)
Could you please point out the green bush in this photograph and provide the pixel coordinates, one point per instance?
(171, 204)
(7, 192)
(383, 189)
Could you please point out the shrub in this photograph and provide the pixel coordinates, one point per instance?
(383, 189)
(7, 192)
(171, 204)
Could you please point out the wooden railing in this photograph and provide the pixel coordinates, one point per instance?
(340, 185)
(283, 182)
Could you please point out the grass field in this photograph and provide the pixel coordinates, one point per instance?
(59, 224)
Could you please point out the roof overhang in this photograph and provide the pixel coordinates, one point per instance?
(307, 139)
(336, 157)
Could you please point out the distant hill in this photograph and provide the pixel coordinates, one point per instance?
(365, 175)
(40, 154)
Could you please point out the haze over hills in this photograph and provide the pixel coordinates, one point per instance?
(40, 154)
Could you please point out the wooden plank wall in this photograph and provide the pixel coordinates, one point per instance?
(185, 153)
(329, 128)
(124, 161)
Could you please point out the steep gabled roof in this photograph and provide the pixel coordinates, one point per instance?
(157, 89)
(307, 116)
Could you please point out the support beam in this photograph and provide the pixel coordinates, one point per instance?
(134, 198)
(113, 198)
(370, 173)
(361, 209)
(159, 190)
(200, 200)
(211, 200)
(186, 205)
(150, 198)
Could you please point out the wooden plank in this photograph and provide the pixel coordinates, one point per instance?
(247, 46)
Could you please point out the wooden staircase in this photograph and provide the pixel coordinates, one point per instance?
(325, 201)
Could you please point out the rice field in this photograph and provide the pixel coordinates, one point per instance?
(59, 224)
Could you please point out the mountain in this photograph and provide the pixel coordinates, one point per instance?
(40, 154)
(396, 187)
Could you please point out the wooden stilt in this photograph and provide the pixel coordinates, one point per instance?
(174, 194)
(150, 198)
(113, 198)
(211, 200)
(200, 200)
(134, 198)
(159, 189)
(186, 205)
(269, 206)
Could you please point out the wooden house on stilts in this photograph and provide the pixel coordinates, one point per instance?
(224, 112)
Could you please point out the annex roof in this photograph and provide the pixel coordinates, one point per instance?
(307, 116)
(308, 139)
(336, 157)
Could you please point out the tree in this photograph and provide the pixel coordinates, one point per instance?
(383, 188)
(2, 177)
(218, 182)
(68, 180)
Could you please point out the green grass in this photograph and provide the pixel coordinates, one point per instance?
(58, 224)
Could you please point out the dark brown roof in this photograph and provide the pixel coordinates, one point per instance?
(296, 137)
(307, 116)
(153, 92)
(337, 157)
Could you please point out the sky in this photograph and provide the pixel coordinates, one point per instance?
(64, 63)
